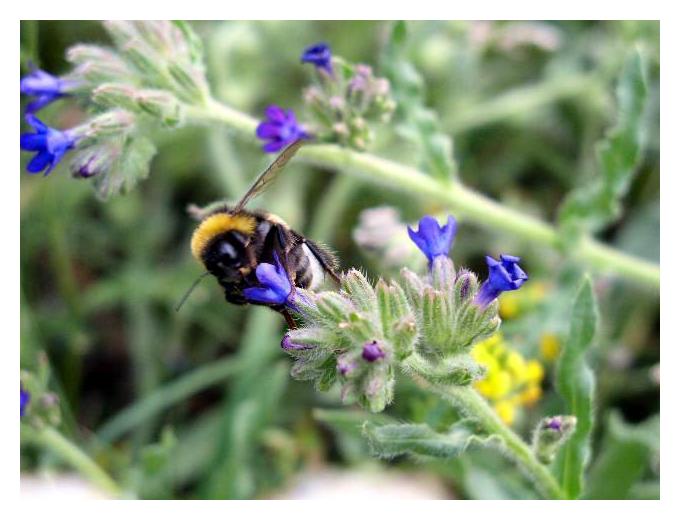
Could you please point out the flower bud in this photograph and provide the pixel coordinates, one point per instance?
(333, 307)
(115, 95)
(113, 122)
(96, 65)
(372, 351)
(355, 284)
(550, 434)
(162, 105)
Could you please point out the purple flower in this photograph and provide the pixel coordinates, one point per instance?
(504, 275)
(51, 145)
(44, 87)
(280, 128)
(372, 351)
(434, 240)
(25, 399)
(320, 55)
(275, 285)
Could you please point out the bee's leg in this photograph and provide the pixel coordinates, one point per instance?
(324, 258)
(289, 319)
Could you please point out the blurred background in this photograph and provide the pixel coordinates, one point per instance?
(199, 403)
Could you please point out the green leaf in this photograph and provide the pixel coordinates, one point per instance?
(593, 206)
(419, 439)
(576, 384)
(420, 124)
(624, 459)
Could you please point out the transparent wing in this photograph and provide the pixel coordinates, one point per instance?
(269, 174)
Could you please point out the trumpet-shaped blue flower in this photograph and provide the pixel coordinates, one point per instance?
(279, 129)
(44, 87)
(504, 275)
(319, 55)
(50, 143)
(432, 239)
(275, 286)
(25, 399)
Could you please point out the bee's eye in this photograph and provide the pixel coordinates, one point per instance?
(227, 250)
(227, 254)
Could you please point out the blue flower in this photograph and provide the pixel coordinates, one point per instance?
(51, 145)
(434, 240)
(44, 87)
(320, 55)
(504, 275)
(280, 128)
(275, 288)
(372, 351)
(25, 399)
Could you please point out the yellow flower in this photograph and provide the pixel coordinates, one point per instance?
(511, 381)
(506, 411)
(514, 303)
(509, 305)
(549, 345)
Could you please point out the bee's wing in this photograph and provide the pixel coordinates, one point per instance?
(269, 174)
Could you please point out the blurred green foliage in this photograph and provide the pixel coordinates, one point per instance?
(198, 404)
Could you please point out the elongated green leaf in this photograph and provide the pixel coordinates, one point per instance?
(576, 385)
(420, 124)
(419, 439)
(595, 205)
(627, 449)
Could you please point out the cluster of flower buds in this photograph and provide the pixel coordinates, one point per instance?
(426, 324)
(550, 434)
(155, 70)
(345, 98)
(354, 336)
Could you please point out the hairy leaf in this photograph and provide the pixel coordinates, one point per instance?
(575, 383)
(130, 168)
(421, 124)
(419, 439)
(593, 206)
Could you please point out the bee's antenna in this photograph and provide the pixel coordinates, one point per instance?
(191, 289)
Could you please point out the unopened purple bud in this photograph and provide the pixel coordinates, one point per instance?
(288, 344)
(372, 351)
(345, 366)
(554, 423)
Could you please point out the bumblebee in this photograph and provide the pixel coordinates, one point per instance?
(231, 242)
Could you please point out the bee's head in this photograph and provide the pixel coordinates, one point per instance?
(219, 242)
(225, 254)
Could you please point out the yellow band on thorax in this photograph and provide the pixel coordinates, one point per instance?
(219, 223)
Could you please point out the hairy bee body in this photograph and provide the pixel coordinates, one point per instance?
(232, 243)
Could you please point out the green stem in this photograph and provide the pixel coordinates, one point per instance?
(165, 397)
(52, 440)
(464, 201)
(466, 400)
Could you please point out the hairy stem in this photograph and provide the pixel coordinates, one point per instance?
(55, 442)
(464, 201)
(469, 403)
